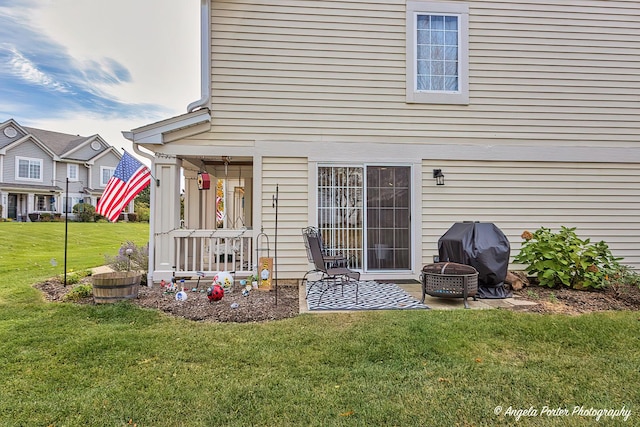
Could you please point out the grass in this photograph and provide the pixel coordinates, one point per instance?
(71, 365)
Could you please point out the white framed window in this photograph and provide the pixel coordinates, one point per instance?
(28, 169)
(105, 175)
(45, 203)
(72, 172)
(437, 52)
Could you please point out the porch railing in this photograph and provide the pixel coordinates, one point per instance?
(210, 251)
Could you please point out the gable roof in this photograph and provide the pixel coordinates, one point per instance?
(59, 143)
(61, 146)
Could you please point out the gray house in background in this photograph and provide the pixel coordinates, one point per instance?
(35, 165)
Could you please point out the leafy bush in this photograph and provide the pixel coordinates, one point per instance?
(85, 212)
(79, 292)
(131, 257)
(625, 276)
(74, 277)
(143, 211)
(563, 259)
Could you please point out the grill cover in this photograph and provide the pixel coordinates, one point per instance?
(483, 246)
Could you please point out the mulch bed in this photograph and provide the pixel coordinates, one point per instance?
(572, 301)
(260, 306)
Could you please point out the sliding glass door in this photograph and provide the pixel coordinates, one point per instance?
(388, 240)
(364, 212)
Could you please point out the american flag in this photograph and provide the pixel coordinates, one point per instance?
(129, 178)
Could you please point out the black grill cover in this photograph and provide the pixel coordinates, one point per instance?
(483, 246)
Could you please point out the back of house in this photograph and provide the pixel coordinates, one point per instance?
(383, 123)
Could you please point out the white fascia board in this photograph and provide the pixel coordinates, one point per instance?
(154, 133)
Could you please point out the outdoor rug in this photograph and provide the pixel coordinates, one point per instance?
(371, 296)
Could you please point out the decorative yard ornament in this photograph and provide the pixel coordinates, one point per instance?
(215, 293)
(224, 279)
(181, 296)
(204, 181)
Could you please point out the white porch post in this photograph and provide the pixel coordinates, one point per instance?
(3, 204)
(166, 212)
(191, 214)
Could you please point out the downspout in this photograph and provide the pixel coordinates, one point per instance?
(152, 221)
(205, 57)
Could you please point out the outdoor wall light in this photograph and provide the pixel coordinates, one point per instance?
(439, 176)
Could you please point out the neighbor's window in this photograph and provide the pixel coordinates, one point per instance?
(45, 203)
(72, 172)
(28, 169)
(105, 175)
(41, 203)
(437, 52)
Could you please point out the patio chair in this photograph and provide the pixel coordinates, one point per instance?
(332, 274)
(334, 260)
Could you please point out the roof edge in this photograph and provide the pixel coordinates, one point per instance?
(154, 133)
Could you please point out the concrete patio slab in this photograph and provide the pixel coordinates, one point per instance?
(435, 303)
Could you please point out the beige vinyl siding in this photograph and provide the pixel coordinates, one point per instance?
(291, 176)
(541, 73)
(601, 200)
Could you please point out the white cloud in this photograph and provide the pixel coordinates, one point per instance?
(87, 67)
(156, 40)
(29, 72)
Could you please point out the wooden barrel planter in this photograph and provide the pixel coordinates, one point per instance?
(115, 286)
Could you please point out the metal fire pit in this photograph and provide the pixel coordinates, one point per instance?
(449, 280)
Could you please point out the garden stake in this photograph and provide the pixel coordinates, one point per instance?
(275, 245)
(200, 275)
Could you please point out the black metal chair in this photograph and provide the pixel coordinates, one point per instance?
(332, 273)
(335, 260)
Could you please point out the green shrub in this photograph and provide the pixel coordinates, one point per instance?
(142, 209)
(72, 277)
(85, 212)
(79, 292)
(563, 259)
(625, 276)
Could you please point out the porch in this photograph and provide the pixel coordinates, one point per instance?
(206, 252)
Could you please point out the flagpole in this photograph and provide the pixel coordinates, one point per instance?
(66, 228)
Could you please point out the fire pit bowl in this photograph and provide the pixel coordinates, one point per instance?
(449, 280)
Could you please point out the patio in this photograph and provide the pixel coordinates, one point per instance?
(414, 289)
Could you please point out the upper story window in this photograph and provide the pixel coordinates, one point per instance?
(105, 175)
(28, 169)
(72, 172)
(437, 52)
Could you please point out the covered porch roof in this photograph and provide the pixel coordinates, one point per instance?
(170, 129)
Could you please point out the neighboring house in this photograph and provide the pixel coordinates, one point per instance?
(35, 165)
(530, 110)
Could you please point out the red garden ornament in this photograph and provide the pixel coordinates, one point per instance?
(215, 293)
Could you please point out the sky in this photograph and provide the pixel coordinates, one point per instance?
(86, 67)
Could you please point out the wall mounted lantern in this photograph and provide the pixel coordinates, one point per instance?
(439, 176)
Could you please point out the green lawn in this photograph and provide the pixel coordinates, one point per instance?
(108, 365)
